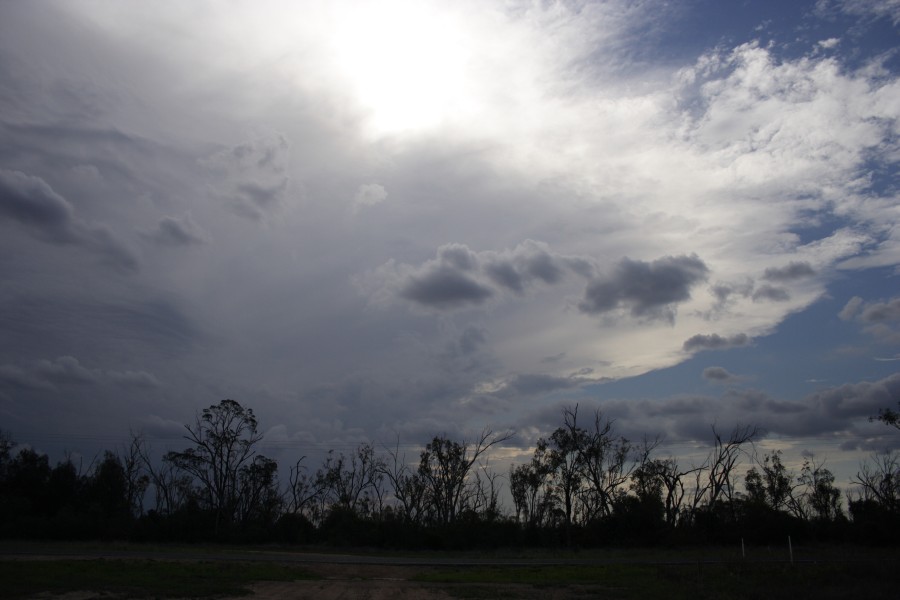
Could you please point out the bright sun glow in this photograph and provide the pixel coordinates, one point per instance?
(406, 65)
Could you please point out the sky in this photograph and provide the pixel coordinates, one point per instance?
(383, 221)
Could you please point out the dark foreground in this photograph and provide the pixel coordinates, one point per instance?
(87, 571)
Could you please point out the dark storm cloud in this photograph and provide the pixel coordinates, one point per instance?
(177, 232)
(78, 325)
(447, 282)
(504, 274)
(714, 341)
(530, 384)
(67, 371)
(528, 261)
(791, 272)
(771, 294)
(134, 379)
(471, 340)
(445, 287)
(459, 277)
(718, 374)
(31, 202)
(841, 410)
(647, 289)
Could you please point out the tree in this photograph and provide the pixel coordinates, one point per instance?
(888, 417)
(444, 467)
(722, 460)
(136, 479)
(531, 489)
(108, 487)
(605, 467)
(224, 436)
(565, 456)
(774, 486)
(879, 481)
(303, 491)
(348, 482)
(823, 498)
(408, 486)
(259, 499)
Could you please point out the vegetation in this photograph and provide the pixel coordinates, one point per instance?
(583, 486)
(139, 578)
(691, 581)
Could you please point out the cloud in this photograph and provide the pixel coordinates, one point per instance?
(851, 309)
(67, 371)
(30, 201)
(173, 231)
(881, 320)
(648, 289)
(444, 287)
(368, 194)
(791, 272)
(459, 277)
(529, 261)
(770, 293)
(881, 311)
(715, 341)
(251, 177)
(865, 9)
(719, 375)
(134, 379)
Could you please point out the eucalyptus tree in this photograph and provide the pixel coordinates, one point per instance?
(353, 482)
(444, 469)
(606, 465)
(224, 437)
(531, 487)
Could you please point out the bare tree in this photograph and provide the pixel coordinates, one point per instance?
(303, 490)
(722, 461)
(136, 477)
(879, 480)
(408, 487)
(171, 489)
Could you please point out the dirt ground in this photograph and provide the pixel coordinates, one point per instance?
(368, 582)
(350, 582)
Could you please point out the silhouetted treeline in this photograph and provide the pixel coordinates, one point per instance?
(584, 485)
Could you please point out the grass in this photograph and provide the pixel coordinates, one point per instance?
(739, 580)
(139, 578)
(821, 572)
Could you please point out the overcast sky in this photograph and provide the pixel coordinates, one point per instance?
(367, 220)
